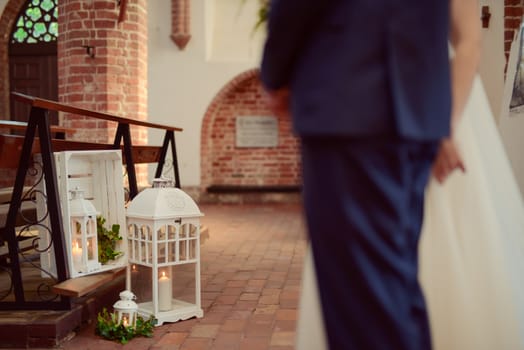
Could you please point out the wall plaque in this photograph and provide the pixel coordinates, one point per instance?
(256, 131)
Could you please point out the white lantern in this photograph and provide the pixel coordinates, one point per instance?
(164, 247)
(84, 240)
(126, 309)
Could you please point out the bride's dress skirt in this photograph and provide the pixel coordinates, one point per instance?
(472, 245)
(471, 250)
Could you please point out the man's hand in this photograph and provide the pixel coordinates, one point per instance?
(448, 159)
(278, 102)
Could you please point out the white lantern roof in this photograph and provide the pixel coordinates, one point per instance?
(163, 203)
(79, 206)
(126, 302)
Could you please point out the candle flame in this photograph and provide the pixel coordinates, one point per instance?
(163, 274)
(133, 267)
(124, 321)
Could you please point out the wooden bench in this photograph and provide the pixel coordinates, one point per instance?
(16, 152)
(80, 286)
(11, 147)
(59, 132)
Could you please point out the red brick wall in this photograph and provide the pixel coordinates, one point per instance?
(223, 163)
(513, 10)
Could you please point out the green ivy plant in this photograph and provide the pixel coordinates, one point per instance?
(107, 240)
(263, 12)
(108, 327)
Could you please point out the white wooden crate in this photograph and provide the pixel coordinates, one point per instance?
(99, 174)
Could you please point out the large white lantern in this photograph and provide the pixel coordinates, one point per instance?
(84, 240)
(164, 253)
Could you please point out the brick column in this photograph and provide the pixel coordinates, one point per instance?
(180, 24)
(102, 65)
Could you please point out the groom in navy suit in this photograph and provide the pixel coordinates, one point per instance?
(367, 83)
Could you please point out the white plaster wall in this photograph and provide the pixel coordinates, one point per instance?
(181, 84)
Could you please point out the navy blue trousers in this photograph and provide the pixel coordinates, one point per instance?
(363, 201)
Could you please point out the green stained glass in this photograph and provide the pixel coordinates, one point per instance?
(39, 29)
(37, 22)
(53, 29)
(47, 5)
(20, 35)
(36, 14)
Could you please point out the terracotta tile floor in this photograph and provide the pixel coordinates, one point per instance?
(251, 273)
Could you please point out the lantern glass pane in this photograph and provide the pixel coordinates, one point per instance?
(183, 277)
(192, 231)
(183, 232)
(171, 232)
(192, 248)
(141, 283)
(91, 226)
(182, 251)
(131, 231)
(76, 227)
(161, 233)
(144, 249)
(162, 252)
(91, 247)
(171, 245)
(132, 242)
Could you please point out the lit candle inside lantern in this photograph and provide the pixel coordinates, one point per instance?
(124, 321)
(77, 254)
(164, 293)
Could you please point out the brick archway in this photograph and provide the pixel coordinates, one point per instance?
(11, 11)
(222, 163)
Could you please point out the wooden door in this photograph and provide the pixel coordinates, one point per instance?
(33, 71)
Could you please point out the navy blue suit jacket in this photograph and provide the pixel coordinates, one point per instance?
(362, 67)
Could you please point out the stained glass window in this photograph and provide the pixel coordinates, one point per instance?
(37, 22)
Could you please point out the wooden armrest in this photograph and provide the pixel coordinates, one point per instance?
(61, 107)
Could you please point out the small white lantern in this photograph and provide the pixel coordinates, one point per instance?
(164, 243)
(126, 309)
(84, 240)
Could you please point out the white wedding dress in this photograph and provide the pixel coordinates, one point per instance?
(471, 249)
